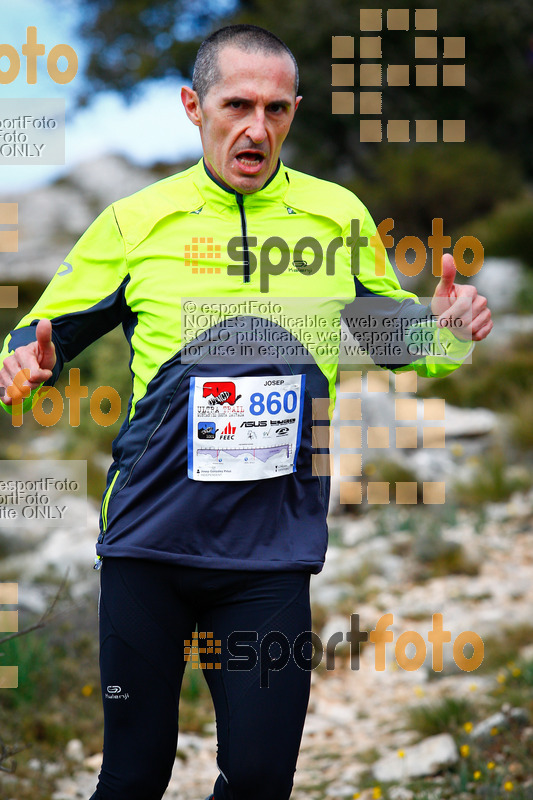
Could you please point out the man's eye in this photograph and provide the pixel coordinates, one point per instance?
(236, 104)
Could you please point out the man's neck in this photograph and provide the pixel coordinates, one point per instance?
(218, 180)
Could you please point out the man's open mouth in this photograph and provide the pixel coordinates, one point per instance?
(250, 158)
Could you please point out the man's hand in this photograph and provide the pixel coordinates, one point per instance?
(460, 307)
(29, 366)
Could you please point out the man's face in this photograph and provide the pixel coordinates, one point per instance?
(245, 116)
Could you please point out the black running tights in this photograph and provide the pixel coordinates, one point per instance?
(148, 610)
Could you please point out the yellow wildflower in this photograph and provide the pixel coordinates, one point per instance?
(468, 726)
(465, 750)
(376, 793)
(477, 775)
(516, 672)
(508, 786)
(87, 690)
(401, 753)
(501, 677)
(491, 765)
(494, 731)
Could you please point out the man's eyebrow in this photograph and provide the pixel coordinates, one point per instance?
(236, 99)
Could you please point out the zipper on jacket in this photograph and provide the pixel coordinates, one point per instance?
(246, 270)
(98, 559)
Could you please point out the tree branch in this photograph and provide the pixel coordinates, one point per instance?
(47, 615)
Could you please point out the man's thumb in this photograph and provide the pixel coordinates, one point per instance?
(43, 334)
(447, 276)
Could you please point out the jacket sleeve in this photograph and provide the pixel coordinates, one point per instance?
(84, 299)
(390, 323)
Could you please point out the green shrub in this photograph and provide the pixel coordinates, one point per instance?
(436, 556)
(507, 231)
(495, 379)
(493, 481)
(414, 186)
(447, 715)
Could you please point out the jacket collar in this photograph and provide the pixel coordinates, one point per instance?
(213, 191)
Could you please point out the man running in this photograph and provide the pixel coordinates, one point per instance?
(214, 516)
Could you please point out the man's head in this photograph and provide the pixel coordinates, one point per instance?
(243, 99)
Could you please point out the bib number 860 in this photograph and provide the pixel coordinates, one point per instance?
(273, 403)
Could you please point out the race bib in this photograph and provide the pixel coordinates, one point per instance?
(244, 429)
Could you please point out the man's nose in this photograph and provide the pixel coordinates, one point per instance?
(256, 130)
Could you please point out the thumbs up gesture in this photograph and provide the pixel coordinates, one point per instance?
(29, 366)
(460, 307)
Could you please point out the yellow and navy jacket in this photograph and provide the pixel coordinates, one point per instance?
(138, 265)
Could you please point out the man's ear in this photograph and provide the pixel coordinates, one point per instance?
(297, 102)
(191, 104)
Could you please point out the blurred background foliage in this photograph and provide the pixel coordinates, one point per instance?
(131, 43)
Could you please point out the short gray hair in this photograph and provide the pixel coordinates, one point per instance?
(250, 38)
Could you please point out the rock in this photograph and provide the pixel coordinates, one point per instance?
(67, 789)
(483, 729)
(74, 750)
(500, 280)
(520, 505)
(400, 793)
(337, 713)
(191, 740)
(336, 624)
(496, 512)
(52, 769)
(80, 787)
(425, 758)
(520, 716)
(94, 761)
(356, 531)
(391, 567)
(330, 594)
(337, 790)
(469, 421)
(512, 325)
(432, 462)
